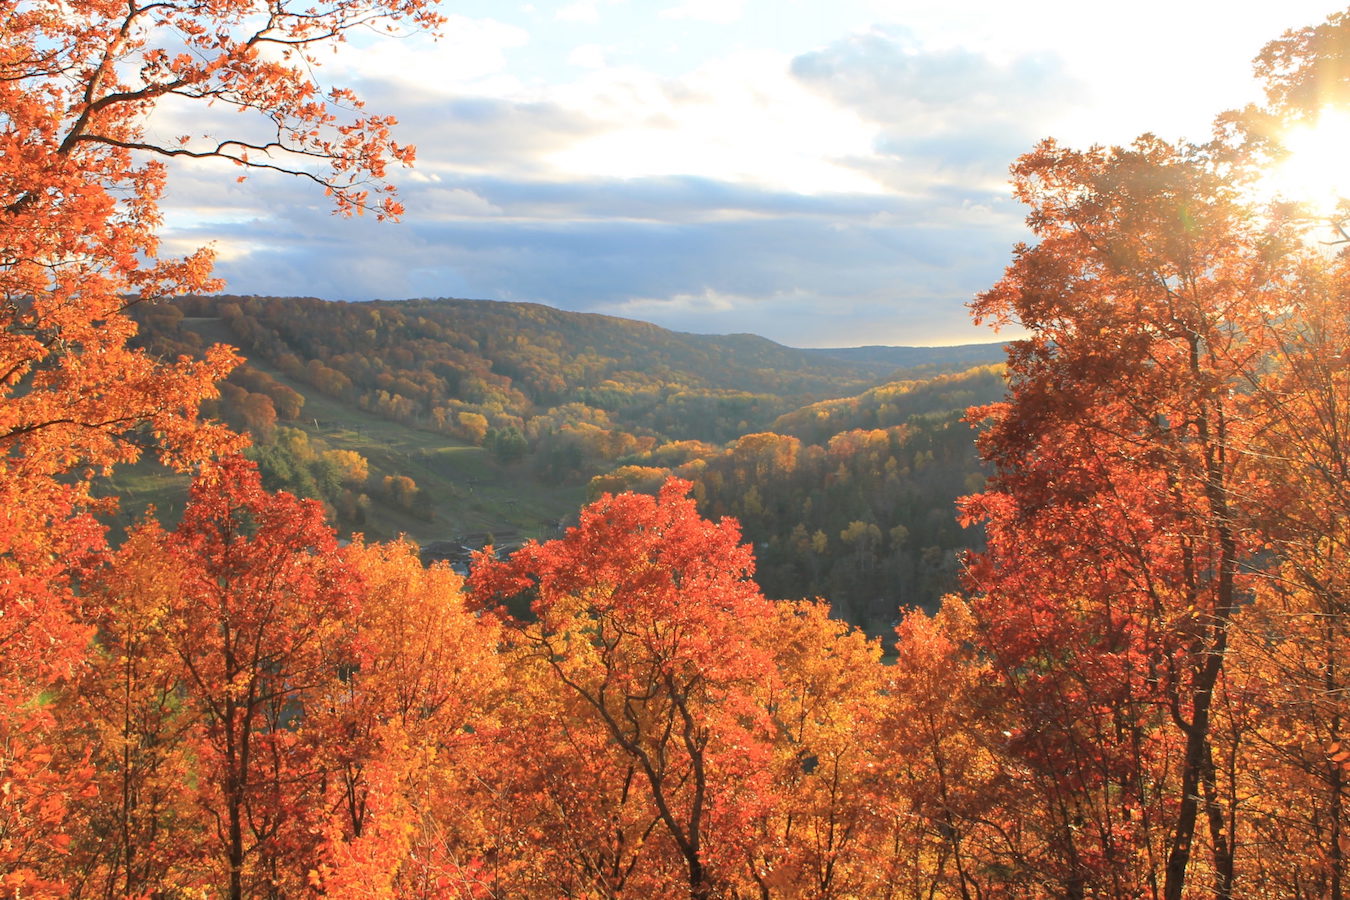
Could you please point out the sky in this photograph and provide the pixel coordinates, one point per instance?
(824, 173)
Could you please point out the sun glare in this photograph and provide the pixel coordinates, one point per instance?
(1317, 170)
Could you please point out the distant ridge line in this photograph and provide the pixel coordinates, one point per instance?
(927, 360)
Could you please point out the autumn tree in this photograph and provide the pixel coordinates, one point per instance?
(827, 832)
(1116, 565)
(268, 714)
(140, 830)
(418, 694)
(262, 624)
(947, 786)
(79, 185)
(643, 620)
(1293, 643)
(211, 703)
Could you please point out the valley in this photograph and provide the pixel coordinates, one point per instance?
(476, 419)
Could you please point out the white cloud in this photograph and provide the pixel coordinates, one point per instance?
(704, 303)
(739, 119)
(455, 203)
(1149, 65)
(586, 12)
(230, 250)
(940, 111)
(471, 55)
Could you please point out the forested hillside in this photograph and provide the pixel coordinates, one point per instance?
(851, 497)
(848, 499)
(503, 372)
(527, 378)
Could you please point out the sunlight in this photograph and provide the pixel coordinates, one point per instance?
(1315, 172)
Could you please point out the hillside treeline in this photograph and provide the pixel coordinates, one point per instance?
(575, 390)
(852, 500)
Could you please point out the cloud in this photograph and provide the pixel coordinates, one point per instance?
(836, 197)
(690, 254)
(699, 306)
(584, 11)
(456, 203)
(948, 110)
(737, 118)
(486, 135)
(469, 54)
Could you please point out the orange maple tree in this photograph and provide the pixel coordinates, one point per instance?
(208, 698)
(136, 830)
(1293, 649)
(418, 717)
(1117, 562)
(262, 622)
(827, 831)
(642, 619)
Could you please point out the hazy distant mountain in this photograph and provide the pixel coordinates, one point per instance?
(934, 360)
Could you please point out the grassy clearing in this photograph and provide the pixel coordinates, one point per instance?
(470, 491)
(142, 486)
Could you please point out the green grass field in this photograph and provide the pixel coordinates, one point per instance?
(470, 491)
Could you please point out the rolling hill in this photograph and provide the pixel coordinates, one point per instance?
(468, 417)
